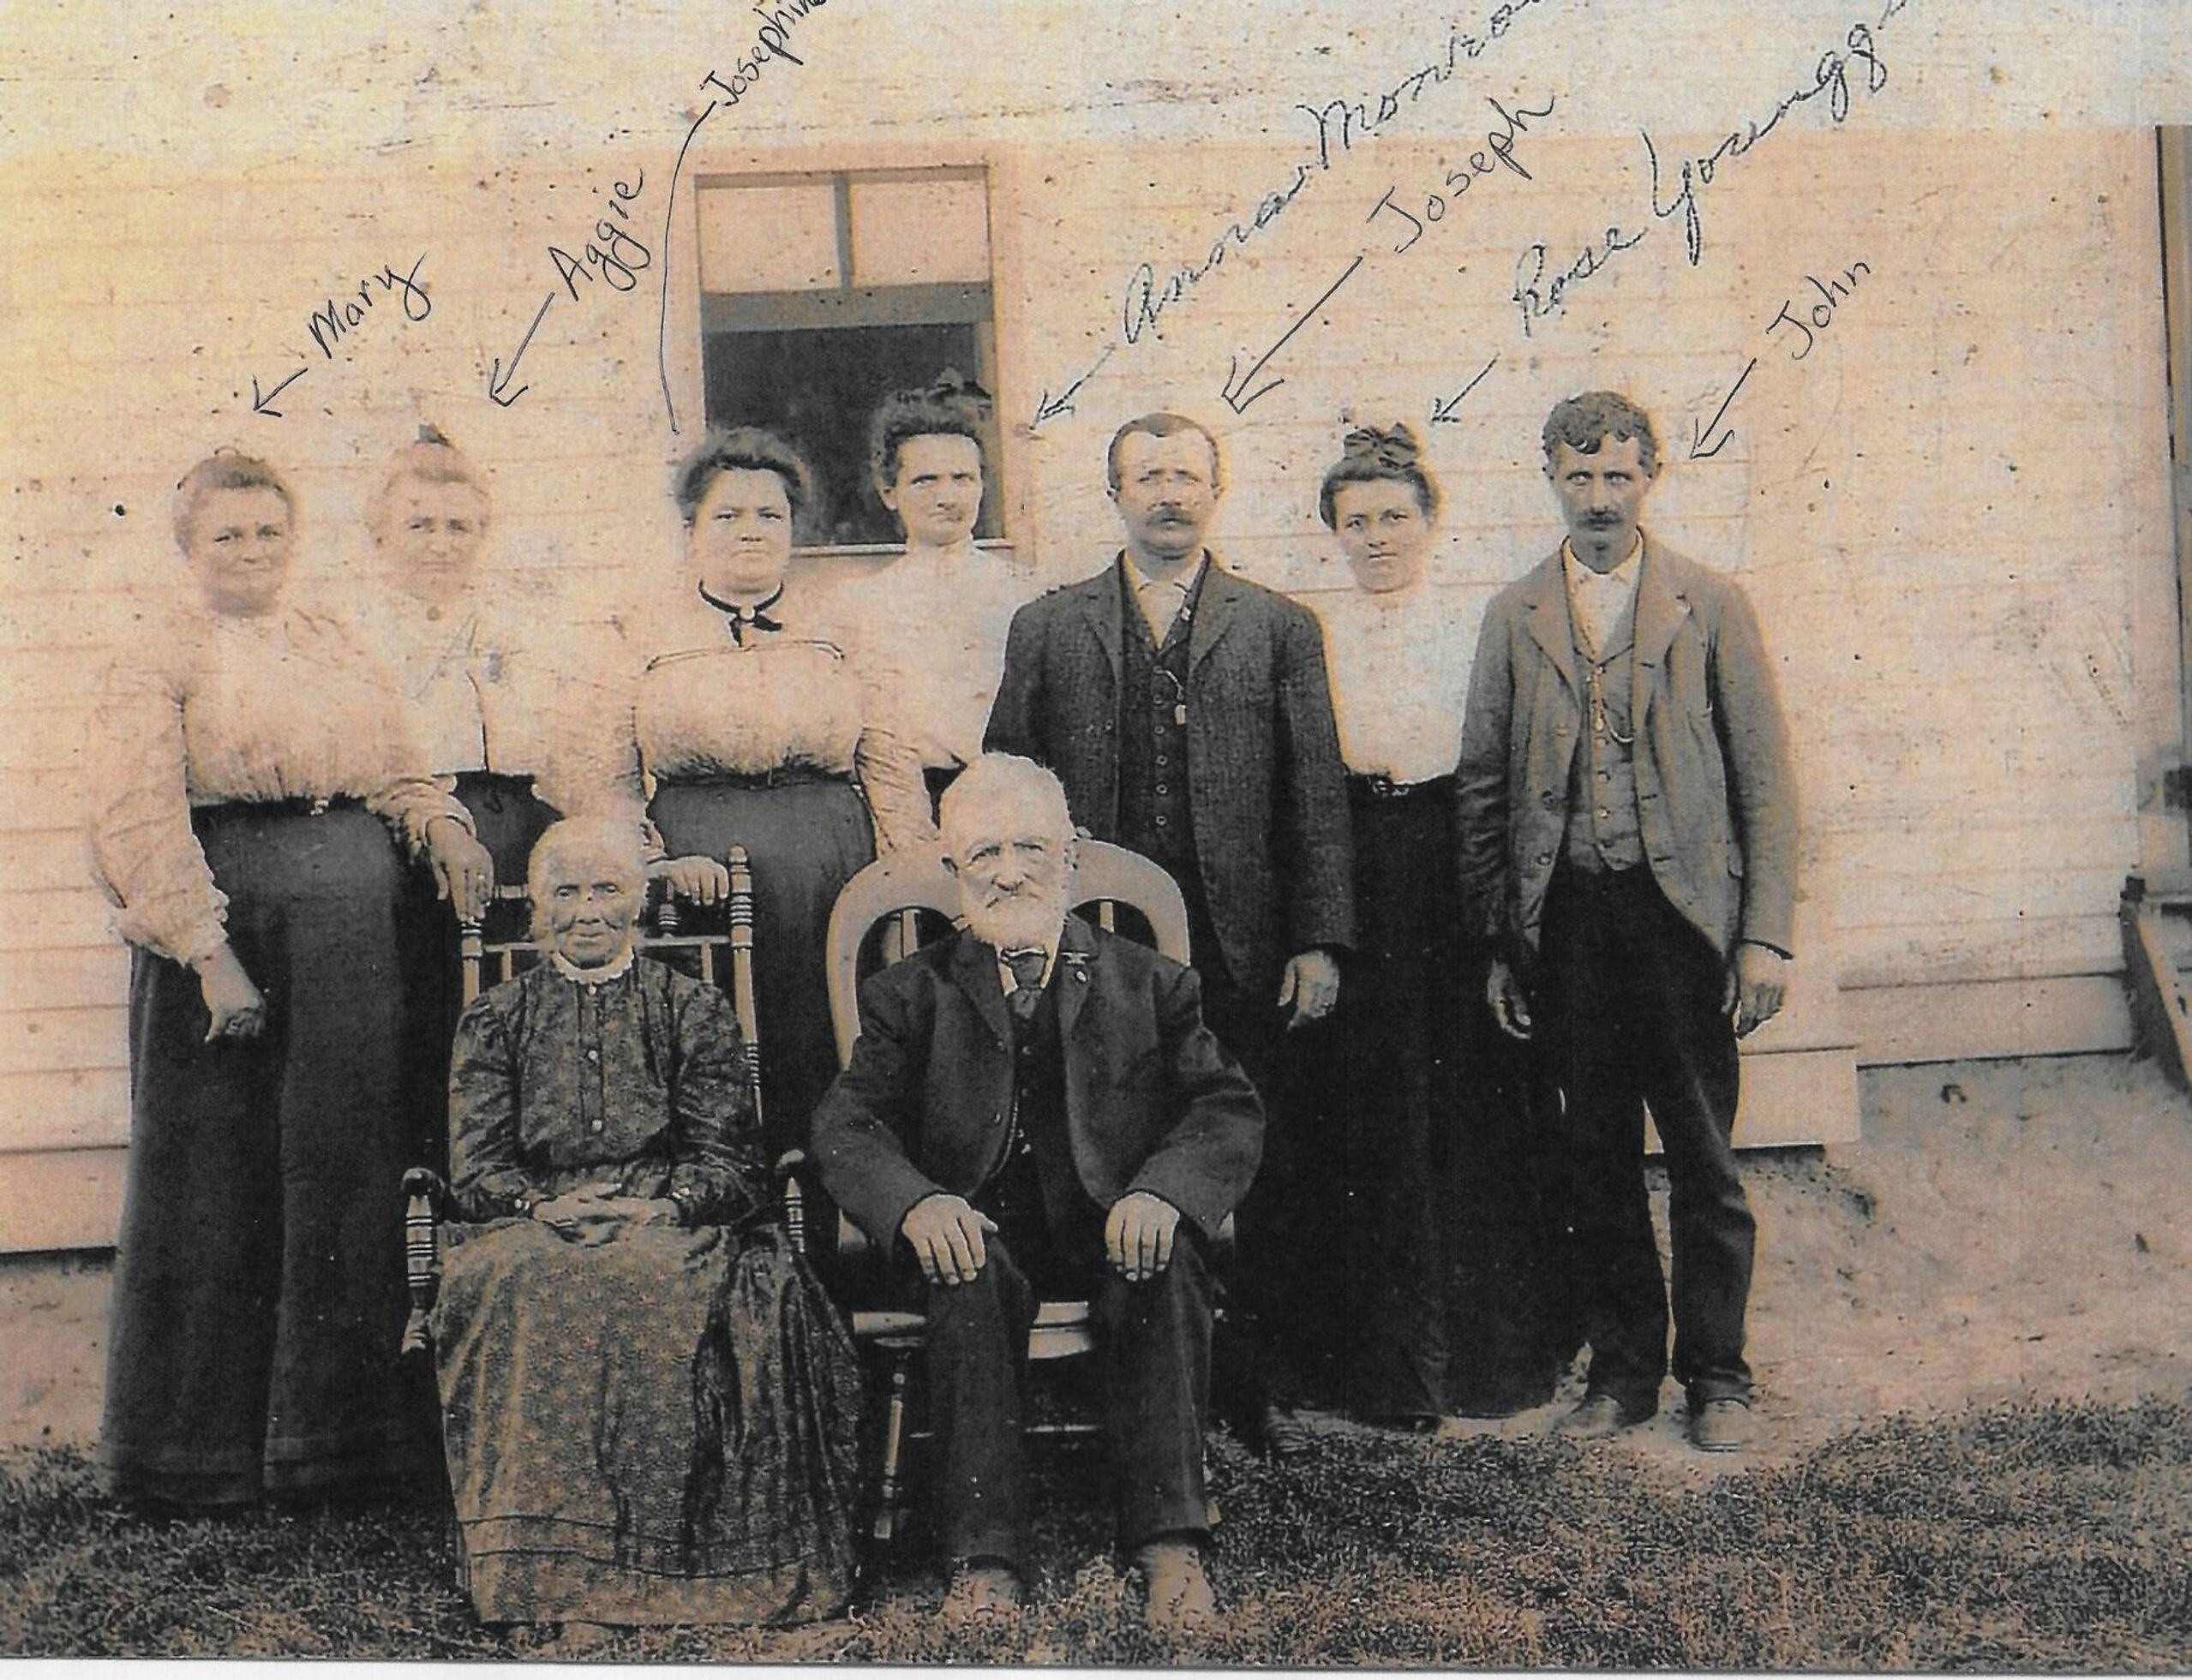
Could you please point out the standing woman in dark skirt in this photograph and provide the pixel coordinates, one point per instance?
(259, 808)
(744, 727)
(479, 705)
(1438, 1189)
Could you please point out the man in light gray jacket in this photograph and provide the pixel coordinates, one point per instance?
(1628, 841)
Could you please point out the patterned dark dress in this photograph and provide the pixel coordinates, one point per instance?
(659, 1429)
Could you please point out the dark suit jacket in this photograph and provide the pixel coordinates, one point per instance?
(1265, 786)
(1715, 794)
(1152, 1101)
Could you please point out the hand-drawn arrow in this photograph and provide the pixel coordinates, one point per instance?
(1698, 450)
(259, 404)
(1443, 414)
(1238, 382)
(1048, 406)
(497, 379)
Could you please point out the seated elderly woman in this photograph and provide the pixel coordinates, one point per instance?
(648, 1404)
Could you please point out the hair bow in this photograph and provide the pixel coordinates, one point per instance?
(1393, 448)
(952, 384)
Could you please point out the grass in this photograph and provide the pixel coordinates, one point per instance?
(2039, 1536)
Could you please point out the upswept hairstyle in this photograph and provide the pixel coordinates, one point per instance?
(742, 449)
(431, 458)
(621, 840)
(953, 405)
(224, 469)
(1163, 425)
(1584, 422)
(1369, 456)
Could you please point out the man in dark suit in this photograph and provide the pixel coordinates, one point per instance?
(1036, 1108)
(1628, 843)
(1188, 713)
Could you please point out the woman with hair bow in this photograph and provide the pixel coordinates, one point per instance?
(1417, 1101)
(931, 625)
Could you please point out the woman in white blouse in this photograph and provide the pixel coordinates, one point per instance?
(743, 726)
(1434, 1191)
(259, 803)
(930, 626)
(481, 708)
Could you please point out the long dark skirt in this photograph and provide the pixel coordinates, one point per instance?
(509, 819)
(657, 1430)
(259, 1287)
(806, 840)
(1398, 1105)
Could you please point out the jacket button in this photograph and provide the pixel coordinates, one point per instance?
(1544, 858)
(1551, 800)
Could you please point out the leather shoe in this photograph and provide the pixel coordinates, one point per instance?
(1598, 1417)
(1721, 1425)
(1272, 1432)
(1179, 1598)
(982, 1589)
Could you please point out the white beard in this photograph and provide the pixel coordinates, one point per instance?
(1013, 923)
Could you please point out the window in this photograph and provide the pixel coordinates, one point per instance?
(821, 293)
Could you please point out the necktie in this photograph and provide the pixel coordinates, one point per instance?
(1026, 965)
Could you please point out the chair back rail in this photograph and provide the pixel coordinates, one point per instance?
(897, 887)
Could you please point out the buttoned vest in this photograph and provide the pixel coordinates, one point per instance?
(1604, 828)
(1154, 817)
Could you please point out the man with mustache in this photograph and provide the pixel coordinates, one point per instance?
(1628, 845)
(1034, 1108)
(1187, 712)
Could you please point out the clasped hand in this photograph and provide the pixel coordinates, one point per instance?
(949, 1235)
(1311, 984)
(594, 1214)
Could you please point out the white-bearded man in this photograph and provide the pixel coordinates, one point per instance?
(1036, 1108)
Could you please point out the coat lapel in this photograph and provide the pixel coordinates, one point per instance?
(1545, 612)
(1660, 611)
(974, 970)
(1216, 607)
(1076, 957)
(1100, 604)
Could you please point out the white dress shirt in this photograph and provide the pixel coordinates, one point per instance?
(1600, 600)
(1162, 598)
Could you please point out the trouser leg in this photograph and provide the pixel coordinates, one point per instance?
(976, 1363)
(1590, 970)
(1692, 1079)
(1153, 1341)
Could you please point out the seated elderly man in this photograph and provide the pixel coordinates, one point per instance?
(649, 1405)
(1036, 1108)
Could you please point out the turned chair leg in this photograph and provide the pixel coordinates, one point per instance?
(422, 1255)
(894, 1436)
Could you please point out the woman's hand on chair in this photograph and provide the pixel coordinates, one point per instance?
(237, 1008)
(464, 869)
(701, 880)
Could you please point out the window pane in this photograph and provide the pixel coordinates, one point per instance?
(817, 386)
(915, 232)
(780, 238)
